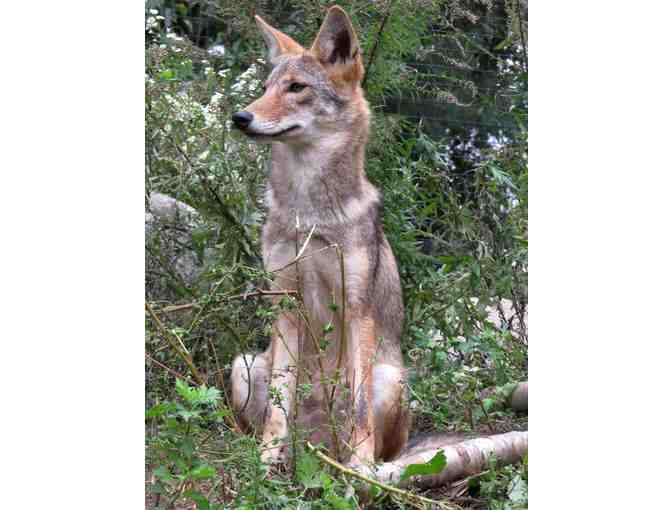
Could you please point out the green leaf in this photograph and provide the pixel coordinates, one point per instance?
(325, 480)
(433, 467)
(167, 74)
(187, 447)
(503, 45)
(207, 396)
(306, 469)
(488, 404)
(188, 415)
(375, 491)
(184, 391)
(198, 498)
(338, 502)
(159, 410)
(203, 471)
(163, 474)
(517, 491)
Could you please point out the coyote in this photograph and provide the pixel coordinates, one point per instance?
(322, 207)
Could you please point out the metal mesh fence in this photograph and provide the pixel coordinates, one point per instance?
(463, 97)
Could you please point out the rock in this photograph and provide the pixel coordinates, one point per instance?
(170, 249)
(167, 209)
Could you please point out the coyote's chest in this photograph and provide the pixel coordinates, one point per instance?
(316, 274)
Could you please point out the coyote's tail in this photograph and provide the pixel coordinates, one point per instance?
(430, 440)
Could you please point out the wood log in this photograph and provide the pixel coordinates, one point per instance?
(462, 459)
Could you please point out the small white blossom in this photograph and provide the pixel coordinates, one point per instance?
(218, 50)
(183, 107)
(246, 86)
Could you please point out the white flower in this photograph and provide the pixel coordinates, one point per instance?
(218, 50)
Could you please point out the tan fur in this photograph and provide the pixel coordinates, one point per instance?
(317, 180)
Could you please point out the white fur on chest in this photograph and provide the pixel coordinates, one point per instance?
(307, 195)
(301, 171)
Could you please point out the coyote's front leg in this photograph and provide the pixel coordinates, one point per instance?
(283, 372)
(361, 351)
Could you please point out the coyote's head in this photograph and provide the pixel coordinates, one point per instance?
(309, 93)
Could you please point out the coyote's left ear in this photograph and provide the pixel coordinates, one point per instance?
(277, 43)
(337, 48)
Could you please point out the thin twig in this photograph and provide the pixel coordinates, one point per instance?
(414, 498)
(176, 344)
(298, 259)
(222, 385)
(206, 184)
(261, 293)
(256, 293)
(316, 344)
(372, 55)
(343, 346)
(323, 381)
(174, 372)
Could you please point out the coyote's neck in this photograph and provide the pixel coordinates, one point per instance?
(321, 184)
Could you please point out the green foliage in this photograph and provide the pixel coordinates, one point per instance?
(175, 447)
(454, 210)
(432, 467)
(505, 488)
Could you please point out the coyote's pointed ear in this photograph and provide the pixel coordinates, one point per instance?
(337, 48)
(277, 42)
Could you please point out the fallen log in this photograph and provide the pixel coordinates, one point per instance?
(462, 459)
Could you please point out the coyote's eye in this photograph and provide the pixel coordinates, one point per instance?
(296, 87)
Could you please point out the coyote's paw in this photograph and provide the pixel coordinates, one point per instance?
(363, 468)
(274, 453)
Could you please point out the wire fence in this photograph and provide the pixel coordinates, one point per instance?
(470, 97)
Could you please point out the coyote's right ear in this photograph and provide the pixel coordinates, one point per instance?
(337, 48)
(277, 42)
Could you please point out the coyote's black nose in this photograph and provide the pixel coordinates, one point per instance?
(242, 119)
